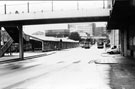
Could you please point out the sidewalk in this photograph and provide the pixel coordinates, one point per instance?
(27, 55)
(13, 61)
(114, 59)
(122, 73)
(30, 59)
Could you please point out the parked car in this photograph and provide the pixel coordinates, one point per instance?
(113, 50)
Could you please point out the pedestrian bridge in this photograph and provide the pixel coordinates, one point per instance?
(88, 15)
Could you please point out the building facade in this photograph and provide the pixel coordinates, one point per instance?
(57, 33)
(122, 17)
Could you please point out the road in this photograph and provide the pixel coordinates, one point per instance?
(67, 69)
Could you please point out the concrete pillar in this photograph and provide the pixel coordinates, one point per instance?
(125, 42)
(133, 54)
(21, 52)
(120, 47)
(122, 41)
(43, 46)
(0, 39)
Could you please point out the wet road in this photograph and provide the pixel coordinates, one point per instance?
(66, 69)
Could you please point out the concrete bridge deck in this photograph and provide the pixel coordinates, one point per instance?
(90, 15)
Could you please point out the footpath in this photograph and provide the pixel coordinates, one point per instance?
(122, 73)
(13, 60)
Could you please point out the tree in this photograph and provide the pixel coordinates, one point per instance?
(74, 36)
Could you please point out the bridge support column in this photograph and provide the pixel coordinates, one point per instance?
(125, 43)
(43, 46)
(0, 39)
(21, 52)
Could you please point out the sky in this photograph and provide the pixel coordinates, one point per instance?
(47, 5)
(36, 6)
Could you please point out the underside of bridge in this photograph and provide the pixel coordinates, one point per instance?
(54, 20)
(122, 14)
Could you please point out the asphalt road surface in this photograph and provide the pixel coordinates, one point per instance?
(67, 69)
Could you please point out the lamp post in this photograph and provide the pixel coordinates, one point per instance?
(77, 5)
(5, 9)
(103, 4)
(52, 5)
(28, 7)
(0, 39)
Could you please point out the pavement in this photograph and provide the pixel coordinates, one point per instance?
(104, 58)
(114, 59)
(13, 60)
(89, 70)
(27, 55)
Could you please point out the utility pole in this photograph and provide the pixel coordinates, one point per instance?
(52, 5)
(28, 7)
(77, 5)
(103, 4)
(0, 39)
(5, 9)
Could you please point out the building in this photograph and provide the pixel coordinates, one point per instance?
(122, 17)
(99, 31)
(109, 4)
(57, 33)
(84, 29)
(114, 38)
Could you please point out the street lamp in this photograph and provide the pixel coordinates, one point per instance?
(52, 5)
(103, 4)
(77, 5)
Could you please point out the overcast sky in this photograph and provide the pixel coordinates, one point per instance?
(35, 6)
(12, 6)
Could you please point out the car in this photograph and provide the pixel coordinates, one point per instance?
(107, 45)
(113, 50)
(100, 45)
(87, 46)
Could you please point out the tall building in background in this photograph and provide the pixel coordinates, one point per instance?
(114, 37)
(99, 31)
(109, 4)
(57, 33)
(84, 29)
(93, 28)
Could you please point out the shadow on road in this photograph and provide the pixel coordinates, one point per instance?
(25, 58)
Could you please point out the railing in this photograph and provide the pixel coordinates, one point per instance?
(45, 6)
(6, 46)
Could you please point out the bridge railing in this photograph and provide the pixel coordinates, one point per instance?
(45, 6)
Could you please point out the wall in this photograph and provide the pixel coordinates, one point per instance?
(114, 37)
(131, 41)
